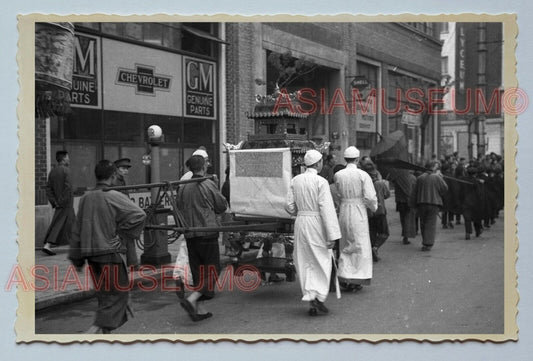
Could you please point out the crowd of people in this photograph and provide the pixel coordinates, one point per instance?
(449, 188)
(340, 221)
(479, 198)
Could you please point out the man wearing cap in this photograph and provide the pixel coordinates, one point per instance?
(357, 193)
(316, 230)
(123, 168)
(427, 198)
(200, 151)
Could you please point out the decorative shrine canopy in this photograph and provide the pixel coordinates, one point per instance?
(278, 105)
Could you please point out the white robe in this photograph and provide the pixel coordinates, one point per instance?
(309, 198)
(356, 191)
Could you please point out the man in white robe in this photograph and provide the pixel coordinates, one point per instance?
(316, 229)
(357, 193)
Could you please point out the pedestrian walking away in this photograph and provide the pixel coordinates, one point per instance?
(427, 198)
(316, 229)
(402, 193)
(471, 194)
(105, 220)
(357, 193)
(200, 203)
(377, 221)
(59, 193)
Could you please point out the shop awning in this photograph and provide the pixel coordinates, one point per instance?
(203, 34)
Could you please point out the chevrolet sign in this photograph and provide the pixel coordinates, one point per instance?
(144, 79)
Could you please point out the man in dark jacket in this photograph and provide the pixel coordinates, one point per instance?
(472, 195)
(402, 193)
(199, 203)
(59, 193)
(427, 196)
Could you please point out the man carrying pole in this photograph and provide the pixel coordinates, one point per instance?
(105, 220)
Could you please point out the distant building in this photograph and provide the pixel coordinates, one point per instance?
(472, 67)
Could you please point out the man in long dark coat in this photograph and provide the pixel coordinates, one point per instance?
(407, 214)
(426, 197)
(59, 193)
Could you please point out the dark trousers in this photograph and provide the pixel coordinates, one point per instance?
(204, 260)
(407, 220)
(469, 219)
(60, 229)
(379, 230)
(428, 223)
(112, 291)
(447, 218)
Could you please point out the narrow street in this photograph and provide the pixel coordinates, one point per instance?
(457, 288)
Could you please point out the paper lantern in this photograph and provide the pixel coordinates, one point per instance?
(54, 54)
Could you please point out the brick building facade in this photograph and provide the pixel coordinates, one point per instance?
(393, 55)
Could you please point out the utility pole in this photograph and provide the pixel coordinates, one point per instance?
(482, 85)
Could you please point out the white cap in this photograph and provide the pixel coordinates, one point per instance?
(311, 157)
(201, 152)
(351, 152)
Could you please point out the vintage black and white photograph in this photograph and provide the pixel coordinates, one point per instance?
(264, 178)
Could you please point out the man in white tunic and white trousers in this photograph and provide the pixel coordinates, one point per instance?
(356, 192)
(316, 229)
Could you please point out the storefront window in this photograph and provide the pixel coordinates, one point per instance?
(113, 28)
(153, 33)
(170, 165)
(168, 35)
(80, 124)
(196, 44)
(172, 37)
(133, 31)
(198, 131)
(122, 126)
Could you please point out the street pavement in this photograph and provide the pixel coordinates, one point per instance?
(58, 282)
(456, 288)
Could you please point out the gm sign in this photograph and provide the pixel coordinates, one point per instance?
(200, 95)
(86, 73)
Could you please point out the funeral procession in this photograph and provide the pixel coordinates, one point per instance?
(269, 178)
